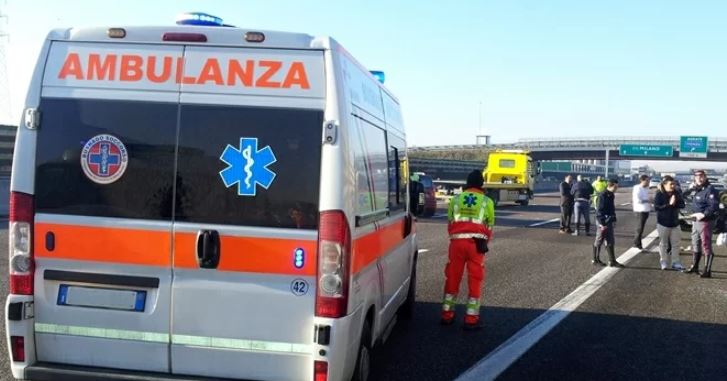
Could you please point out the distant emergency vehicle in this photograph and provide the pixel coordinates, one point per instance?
(207, 201)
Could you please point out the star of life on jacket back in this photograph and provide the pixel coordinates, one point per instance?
(206, 201)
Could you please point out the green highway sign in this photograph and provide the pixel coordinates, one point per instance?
(645, 150)
(693, 146)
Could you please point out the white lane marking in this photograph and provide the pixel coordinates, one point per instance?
(439, 216)
(422, 251)
(497, 361)
(545, 222)
(625, 203)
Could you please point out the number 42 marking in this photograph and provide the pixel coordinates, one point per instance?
(299, 287)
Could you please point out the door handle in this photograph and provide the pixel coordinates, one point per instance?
(208, 249)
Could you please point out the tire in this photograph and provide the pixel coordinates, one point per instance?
(363, 360)
(494, 196)
(407, 309)
(524, 202)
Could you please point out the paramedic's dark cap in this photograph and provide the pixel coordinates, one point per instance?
(613, 181)
(699, 172)
(475, 180)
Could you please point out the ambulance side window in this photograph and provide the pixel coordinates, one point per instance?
(371, 165)
(397, 177)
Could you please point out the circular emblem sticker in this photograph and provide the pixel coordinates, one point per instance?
(104, 159)
(299, 287)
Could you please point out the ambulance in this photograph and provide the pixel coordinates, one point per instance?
(201, 201)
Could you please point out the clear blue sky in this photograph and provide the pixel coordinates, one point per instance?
(533, 68)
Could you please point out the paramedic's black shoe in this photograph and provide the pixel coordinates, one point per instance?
(706, 274)
(598, 262)
(615, 264)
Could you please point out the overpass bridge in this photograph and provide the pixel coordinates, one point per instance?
(588, 148)
(544, 149)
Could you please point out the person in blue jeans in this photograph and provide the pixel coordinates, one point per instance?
(582, 192)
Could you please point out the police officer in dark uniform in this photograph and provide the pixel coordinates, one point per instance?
(705, 206)
(605, 218)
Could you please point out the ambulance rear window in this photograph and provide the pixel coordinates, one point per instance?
(143, 189)
(233, 165)
(223, 155)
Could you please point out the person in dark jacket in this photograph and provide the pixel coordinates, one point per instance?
(667, 203)
(706, 210)
(605, 218)
(566, 205)
(581, 192)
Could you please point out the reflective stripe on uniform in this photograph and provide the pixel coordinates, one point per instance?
(103, 333)
(473, 306)
(467, 235)
(154, 337)
(449, 303)
(468, 219)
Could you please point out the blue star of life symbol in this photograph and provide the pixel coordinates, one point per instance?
(104, 159)
(470, 200)
(247, 166)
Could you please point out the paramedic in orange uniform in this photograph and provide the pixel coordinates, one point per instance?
(471, 217)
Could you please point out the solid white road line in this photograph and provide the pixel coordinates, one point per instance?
(422, 251)
(508, 352)
(545, 222)
(625, 203)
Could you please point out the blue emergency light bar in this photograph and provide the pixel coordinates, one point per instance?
(199, 19)
(379, 75)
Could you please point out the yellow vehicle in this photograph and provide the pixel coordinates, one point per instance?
(510, 176)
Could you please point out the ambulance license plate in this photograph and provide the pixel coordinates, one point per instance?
(96, 297)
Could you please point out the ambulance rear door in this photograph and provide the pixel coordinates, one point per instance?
(104, 180)
(246, 213)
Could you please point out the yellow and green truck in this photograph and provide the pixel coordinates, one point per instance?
(510, 176)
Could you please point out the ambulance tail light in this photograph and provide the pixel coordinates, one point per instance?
(320, 372)
(20, 236)
(17, 348)
(334, 252)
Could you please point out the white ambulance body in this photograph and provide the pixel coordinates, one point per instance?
(199, 202)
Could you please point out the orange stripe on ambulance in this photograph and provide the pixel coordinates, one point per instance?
(233, 72)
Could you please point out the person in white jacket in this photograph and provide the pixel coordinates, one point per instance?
(642, 206)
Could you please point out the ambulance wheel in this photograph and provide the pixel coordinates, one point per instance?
(524, 202)
(407, 309)
(363, 361)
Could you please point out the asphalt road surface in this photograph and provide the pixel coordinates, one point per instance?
(640, 323)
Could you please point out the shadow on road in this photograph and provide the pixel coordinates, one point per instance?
(585, 346)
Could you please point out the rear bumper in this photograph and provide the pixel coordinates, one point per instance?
(56, 372)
